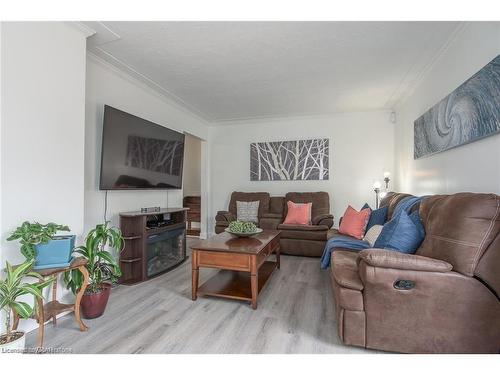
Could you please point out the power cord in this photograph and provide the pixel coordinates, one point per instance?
(105, 206)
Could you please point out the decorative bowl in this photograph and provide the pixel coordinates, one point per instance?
(247, 234)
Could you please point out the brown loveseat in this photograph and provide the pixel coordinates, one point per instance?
(305, 240)
(443, 299)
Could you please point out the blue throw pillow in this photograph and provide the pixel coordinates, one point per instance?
(404, 233)
(415, 217)
(377, 217)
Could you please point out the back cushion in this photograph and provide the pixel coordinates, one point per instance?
(263, 199)
(277, 205)
(320, 202)
(391, 200)
(459, 228)
(488, 268)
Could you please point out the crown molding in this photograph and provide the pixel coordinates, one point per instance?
(426, 70)
(145, 84)
(81, 27)
(103, 36)
(283, 118)
(146, 81)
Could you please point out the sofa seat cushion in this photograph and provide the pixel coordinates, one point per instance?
(304, 232)
(271, 215)
(335, 233)
(344, 266)
(308, 228)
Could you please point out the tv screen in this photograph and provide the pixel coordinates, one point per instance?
(139, 154)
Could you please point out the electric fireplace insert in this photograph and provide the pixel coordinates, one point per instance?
(164, 251)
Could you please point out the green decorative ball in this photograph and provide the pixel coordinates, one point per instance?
(242, 227)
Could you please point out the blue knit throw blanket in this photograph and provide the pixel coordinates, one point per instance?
(341, 242)
(351, 243)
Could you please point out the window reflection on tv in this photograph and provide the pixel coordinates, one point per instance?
(139, 154)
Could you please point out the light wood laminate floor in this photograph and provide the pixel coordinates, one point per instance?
(295, 315)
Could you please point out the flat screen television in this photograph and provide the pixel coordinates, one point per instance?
(139, 154)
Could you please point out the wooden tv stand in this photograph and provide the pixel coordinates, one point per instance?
(136, 233)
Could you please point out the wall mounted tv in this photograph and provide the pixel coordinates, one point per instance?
(139, 154)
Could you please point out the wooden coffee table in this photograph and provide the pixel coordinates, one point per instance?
(243, 262)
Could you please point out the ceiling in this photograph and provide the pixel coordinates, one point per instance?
(226, 71)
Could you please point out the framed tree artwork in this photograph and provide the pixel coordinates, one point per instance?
(290, 160)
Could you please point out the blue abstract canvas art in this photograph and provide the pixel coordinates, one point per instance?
(469, 113)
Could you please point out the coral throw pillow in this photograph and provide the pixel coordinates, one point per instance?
(298, 213)
(354, 223)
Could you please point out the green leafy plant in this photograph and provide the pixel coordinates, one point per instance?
(102, 266)
(242, 227)
(31, 234)
(12, 287)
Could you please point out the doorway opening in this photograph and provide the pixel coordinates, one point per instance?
(191, 188)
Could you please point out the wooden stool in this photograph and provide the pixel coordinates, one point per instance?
(47, 311)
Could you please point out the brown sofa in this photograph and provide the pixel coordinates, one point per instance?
(443, 299)
(305, 240)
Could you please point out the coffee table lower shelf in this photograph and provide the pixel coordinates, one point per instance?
(236, 284)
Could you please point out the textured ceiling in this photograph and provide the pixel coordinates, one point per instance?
(243, 70)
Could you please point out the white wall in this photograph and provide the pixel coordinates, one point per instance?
(50, 132)
(361, 148)
(42, 134)
(472, 167)
(1, 121)
(107, 85)
(191, 179)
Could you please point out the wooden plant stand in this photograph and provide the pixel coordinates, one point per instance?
(50, 310)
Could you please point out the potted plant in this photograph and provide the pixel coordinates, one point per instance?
(11, 288)
(38, 241)
(102, 267)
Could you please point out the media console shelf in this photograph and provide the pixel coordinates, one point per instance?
(155, 242)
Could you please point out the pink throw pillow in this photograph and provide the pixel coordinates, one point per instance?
(298, 213)
(354, 223)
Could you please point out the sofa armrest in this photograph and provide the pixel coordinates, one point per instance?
(326, 219)
(224, 216)
(393, 259)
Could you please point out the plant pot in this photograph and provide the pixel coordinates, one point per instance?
(94, 304)
(54, 254)
(16, 346)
